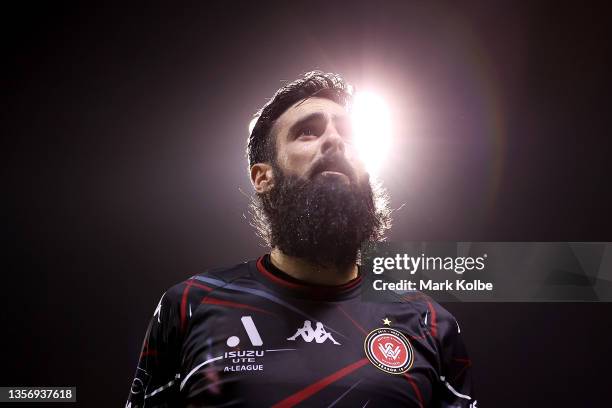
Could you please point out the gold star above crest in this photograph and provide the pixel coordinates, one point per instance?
(386, 321)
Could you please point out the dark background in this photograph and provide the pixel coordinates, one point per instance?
(125, 127)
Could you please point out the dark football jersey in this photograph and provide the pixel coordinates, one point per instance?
(252, 336)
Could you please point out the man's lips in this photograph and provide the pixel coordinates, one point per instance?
(332, 173)
(332, 166)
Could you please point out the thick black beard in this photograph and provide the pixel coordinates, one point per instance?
(323, 220)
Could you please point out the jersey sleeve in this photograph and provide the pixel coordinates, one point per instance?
(157, 378)
(455, 387)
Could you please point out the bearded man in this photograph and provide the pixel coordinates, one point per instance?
(290, 328)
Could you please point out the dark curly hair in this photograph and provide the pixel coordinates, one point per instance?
(261, 148)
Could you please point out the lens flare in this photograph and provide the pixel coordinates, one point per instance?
(371, 129)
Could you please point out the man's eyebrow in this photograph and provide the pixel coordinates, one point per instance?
(315, 116)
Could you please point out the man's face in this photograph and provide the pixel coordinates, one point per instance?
(315, 200)
(314, 139)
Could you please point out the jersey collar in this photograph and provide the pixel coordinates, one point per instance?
(286, 283)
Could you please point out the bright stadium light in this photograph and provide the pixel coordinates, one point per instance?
(371, 129)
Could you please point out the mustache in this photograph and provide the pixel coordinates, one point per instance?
(332, 162)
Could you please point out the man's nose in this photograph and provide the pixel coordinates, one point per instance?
(332, 141)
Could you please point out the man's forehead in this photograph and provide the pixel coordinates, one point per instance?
(307, 107)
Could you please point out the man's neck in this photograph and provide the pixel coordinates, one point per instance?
(310, 272)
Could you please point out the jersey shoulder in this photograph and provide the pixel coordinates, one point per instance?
(434, 317)
(224, 275)
(182, 298)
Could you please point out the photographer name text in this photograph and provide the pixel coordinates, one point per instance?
(431, 285)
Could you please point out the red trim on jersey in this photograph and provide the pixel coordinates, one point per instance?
(463, 360)
(433, 322)
(221, 302)
(353, 321)
(184, 304)
(183, 311)
(305, 287)
(416, 389)
(319, 385)
(199, 285)
(148, 353)
(466, 363)
(412, 336)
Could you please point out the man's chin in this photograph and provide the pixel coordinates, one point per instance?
(323, 217)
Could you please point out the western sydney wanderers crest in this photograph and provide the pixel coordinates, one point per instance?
(389, 350)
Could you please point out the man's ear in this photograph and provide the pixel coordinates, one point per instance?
(262, 177)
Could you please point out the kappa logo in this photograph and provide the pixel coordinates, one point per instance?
(308, 334)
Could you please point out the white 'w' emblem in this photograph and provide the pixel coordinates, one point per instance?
(388, 351)
(309, 334)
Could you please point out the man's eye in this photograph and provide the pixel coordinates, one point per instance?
(306, 132)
